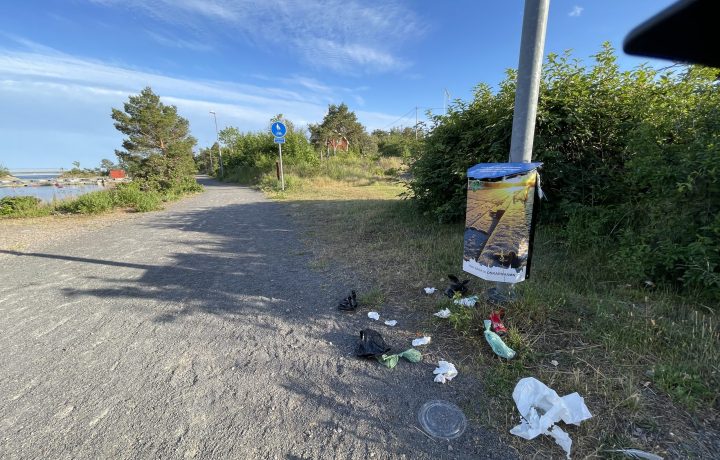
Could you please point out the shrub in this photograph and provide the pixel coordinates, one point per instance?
(629, 163)
(89, 203)
(130, 195)
(18, 205)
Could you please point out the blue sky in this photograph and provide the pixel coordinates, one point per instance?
(65, 63)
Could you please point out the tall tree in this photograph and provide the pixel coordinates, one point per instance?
(339, 122)
(158, 146)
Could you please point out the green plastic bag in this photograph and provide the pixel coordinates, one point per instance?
(390, 361)
(497, 344)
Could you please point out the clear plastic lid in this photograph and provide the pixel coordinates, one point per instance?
(442, 419)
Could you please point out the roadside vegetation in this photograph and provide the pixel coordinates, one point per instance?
(622, 302)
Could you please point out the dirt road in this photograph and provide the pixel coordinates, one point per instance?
(200, 331)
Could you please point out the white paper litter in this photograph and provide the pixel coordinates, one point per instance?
(374, 315)
(532, 398)
(430, 290)
(466, 301)
(445, 372)
(421, 341)
(443, 313)
(390, 322)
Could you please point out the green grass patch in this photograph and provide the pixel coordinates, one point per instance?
(636, 354)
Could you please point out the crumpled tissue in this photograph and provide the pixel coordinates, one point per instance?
(445, 313)
(533, 398)
(430, 290)
(421, 341)
(466, 301)
(445, 372)
(374, 315)
(390, 322)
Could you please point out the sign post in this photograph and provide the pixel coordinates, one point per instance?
(279, 130)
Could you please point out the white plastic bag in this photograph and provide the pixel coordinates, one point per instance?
(374, 315)
(445, 313)
(430, 290)
(541, 408)
(390, 322)
(421, 341)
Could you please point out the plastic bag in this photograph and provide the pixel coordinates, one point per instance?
(533, 398)
(496, 343)
(445, 372)
(391, 361)
(371, 344)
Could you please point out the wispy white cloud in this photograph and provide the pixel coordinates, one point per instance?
(175, 42)
(342, 35)
(67, 97)
(576, 11)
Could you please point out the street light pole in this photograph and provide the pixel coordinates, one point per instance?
(527, 89)
(217, 136)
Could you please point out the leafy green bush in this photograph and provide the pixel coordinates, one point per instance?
(630, 163)
(89, 203)
(18, 206)
(130, 195)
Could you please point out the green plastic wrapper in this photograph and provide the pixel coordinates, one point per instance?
(497, 344)
(390, 361)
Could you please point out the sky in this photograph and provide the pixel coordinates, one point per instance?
(65, 63)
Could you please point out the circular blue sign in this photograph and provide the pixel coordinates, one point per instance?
(278, 129)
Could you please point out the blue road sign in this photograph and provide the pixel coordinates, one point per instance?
(278, 129)
(279, 140)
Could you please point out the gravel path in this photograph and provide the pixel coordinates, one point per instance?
(200, 331)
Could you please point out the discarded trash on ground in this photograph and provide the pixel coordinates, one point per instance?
(371, 344)
(466, 301)
(349, 303)
(390, 322)
(496, 343)
(430, 290)
(421, 341)
(441, 419)
(456, 286)
(496, 319)
(637, 454)
(391, 361)
(444, 313)
(374, 315)
(541, 408)
(445, 372)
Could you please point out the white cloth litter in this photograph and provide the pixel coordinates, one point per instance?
(421, 341)
(445, 372)
(430, 290)
(443, 313)
(532, 398)
(466, 301)
(390, 322)
(374, 315)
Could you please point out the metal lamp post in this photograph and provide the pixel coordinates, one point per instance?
(217, 136)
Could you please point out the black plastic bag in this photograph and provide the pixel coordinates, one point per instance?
(456, 286)
(371, 344)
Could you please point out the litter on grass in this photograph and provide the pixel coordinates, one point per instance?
(390, 322)
(430, 290)
(496, 343)
(445, 313)
(374, 315)
(349, 303)
(421, 341)
(390, 361)
(445, 372)
(456, 286)
(541, 408)
(466, 301)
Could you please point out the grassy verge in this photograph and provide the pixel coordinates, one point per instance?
(647, 362)
(124, 196)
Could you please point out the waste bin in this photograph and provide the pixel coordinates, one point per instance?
(500, 219)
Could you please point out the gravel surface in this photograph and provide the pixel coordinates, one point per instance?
(200, 331)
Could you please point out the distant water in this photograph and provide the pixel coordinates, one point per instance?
(49, 193)
(37, 176)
